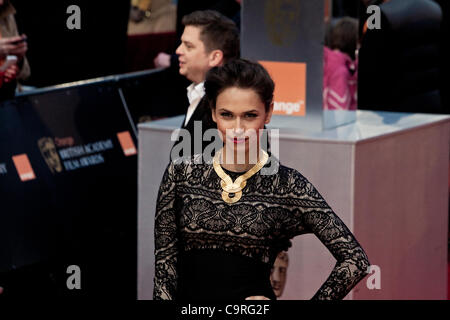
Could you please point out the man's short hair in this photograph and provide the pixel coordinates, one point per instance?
(217, 32)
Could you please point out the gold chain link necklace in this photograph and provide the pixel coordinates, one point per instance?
(227, 184)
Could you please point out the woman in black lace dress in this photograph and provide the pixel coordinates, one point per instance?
(220, 224)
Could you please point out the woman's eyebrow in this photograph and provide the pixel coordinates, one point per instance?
(223, 109)
(249, 111)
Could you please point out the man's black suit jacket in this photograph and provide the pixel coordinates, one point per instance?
(202, 113)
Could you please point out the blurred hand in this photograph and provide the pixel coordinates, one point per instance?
(162, 60)
(11, 73)
(7, 47)
(20, 50)
(257, 298)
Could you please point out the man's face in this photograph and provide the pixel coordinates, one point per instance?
(194, 60)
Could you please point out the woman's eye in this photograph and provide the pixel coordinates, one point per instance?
(225, 114)
(251, 115)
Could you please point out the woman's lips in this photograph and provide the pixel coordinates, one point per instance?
(238, 140)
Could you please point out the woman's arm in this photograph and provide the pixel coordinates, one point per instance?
(166, 251)
(352, 262)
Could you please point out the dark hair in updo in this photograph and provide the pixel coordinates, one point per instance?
(242, 74)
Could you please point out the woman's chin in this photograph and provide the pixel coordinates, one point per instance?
(239, 145)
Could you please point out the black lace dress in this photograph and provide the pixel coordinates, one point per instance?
(209, 250)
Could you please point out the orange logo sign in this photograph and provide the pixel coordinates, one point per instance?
(290, 87)
(23, 167)
(127, 144)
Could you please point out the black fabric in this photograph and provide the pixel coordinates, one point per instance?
(445, 54)
(58, 54)
(202, 114)
(213, 275)
(8, 90)
(399, 67)
(277, 204)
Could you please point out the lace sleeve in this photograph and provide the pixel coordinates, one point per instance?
(165, 281)
(317, 217)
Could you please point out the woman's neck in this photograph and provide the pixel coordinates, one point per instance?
(237, 167)
(234, 165)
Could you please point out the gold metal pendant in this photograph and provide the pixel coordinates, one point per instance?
(235, 188)
(226, 197)
(232, 188)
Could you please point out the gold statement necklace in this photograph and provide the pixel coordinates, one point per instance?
(227, 184)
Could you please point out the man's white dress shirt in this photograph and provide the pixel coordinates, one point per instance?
(195, 93)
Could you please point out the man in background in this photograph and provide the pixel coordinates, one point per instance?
(209, 39)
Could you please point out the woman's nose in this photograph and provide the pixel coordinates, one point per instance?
(238, 125)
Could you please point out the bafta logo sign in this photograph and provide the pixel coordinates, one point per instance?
(282, 21)
(48, 151)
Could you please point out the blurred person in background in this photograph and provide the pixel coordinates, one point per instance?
(340, 65)
(11, 44)
(152, 16)
(151, 30)
(140, 9)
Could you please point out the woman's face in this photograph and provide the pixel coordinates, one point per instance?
(239, 116)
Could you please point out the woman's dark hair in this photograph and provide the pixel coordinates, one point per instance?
(344, 36)
(242, 74)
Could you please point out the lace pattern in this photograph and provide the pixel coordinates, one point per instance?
(190, 214)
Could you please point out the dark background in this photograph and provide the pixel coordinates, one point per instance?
(86, 217)
(57, 54)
